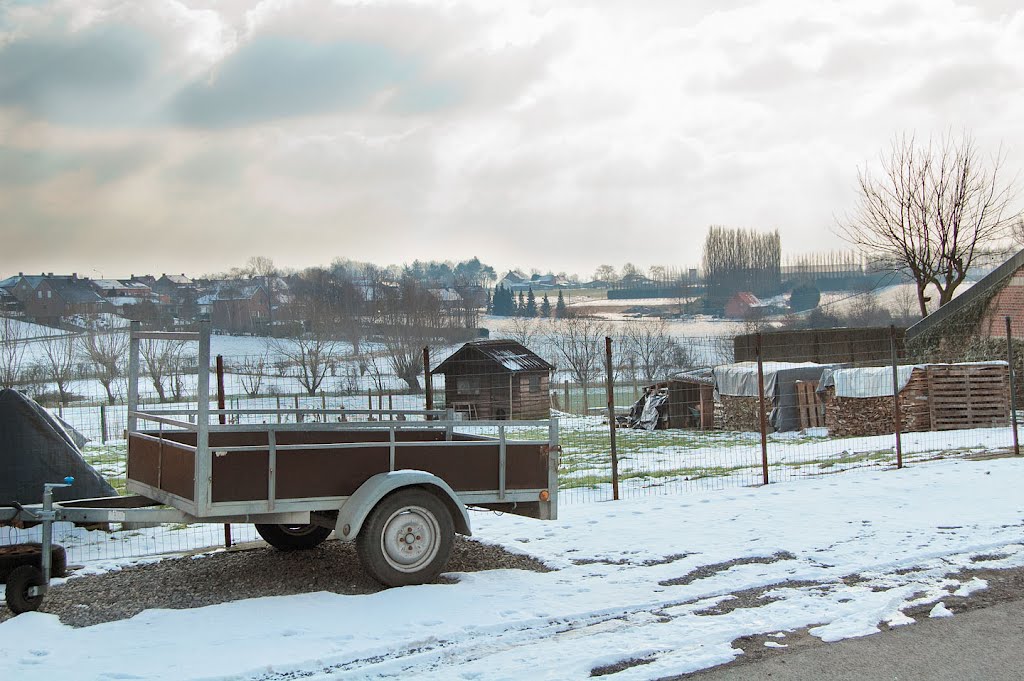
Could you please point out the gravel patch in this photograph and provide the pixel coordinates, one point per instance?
(248, 572)
(705, 571)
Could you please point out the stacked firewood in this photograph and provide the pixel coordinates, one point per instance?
(856, 416)
(740, 413)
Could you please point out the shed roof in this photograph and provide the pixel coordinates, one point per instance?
(508, 354)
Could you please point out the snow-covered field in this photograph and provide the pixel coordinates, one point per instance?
(666, 582)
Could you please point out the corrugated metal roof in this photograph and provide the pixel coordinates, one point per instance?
(508, 354)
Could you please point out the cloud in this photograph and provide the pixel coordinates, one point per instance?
(20, 166)
(86, 77)
(276, 77)
(545, 134)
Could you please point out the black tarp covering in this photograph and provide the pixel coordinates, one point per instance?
(34, 449)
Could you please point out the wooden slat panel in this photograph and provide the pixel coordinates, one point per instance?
(967, 396)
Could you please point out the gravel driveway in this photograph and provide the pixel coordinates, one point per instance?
(246, 572)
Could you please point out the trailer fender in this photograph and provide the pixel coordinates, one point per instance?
(357, 507)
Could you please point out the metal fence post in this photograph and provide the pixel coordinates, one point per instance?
(565, 407)
(1013, 387)
(611, 416)
(222, 419)
(763, 419)
(896, 417)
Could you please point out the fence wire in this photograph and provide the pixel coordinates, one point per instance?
(826, 401)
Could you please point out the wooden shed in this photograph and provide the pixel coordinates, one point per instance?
(690, 400)
(496, 379)
(931, 397)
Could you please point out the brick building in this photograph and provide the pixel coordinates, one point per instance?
(982, 309)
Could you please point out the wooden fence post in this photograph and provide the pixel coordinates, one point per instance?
(103, 423)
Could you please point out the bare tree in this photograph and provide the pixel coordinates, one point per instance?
(250, 371)
(311, 354)
(651, 348)
(408, 319)
(106, 352)
(931, 210)
(12, 351)
(58, 362)
(579, 345)
(162, 360)
(606, 273)
(523, 330)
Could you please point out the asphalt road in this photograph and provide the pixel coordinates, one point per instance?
(983, 644)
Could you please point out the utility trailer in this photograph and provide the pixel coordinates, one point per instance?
(397, 486)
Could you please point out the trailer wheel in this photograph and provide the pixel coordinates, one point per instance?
(293, 537)
(407, 538)
(21, 579)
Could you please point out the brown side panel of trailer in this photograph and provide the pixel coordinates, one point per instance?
(162, 465)
(309, 473)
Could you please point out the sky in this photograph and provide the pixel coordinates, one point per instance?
(187, 136)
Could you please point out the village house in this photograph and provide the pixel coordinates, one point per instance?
(236, 307)
(47, 298)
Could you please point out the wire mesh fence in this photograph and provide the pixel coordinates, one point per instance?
(637, 416)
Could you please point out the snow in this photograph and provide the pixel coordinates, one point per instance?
(940, 610)
(623, 587)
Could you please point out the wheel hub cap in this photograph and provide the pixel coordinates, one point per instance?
(410, 539)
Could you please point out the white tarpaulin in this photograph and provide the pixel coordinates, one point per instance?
(867, 381)
(877, 381)
(740, 379)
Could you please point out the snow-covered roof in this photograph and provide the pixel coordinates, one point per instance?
(448, 295)
(508, 354)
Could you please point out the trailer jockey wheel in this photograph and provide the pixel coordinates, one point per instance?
(407, 538)
(19, 581)
(293, 537)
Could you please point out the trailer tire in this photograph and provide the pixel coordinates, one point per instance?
(21, 579)
(31, 553)
(293, 537)
(407, 538)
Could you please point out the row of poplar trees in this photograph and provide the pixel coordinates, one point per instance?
(738, 260)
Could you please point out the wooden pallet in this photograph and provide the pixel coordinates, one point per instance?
(968, 396)
(810, 408)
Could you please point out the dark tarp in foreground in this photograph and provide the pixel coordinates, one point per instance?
(35, 449)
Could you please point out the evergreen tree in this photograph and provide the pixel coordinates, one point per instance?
(545, 307)
(503, 305)
(521, 307)
(531, 304)
(561, 312)
(489, 303)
